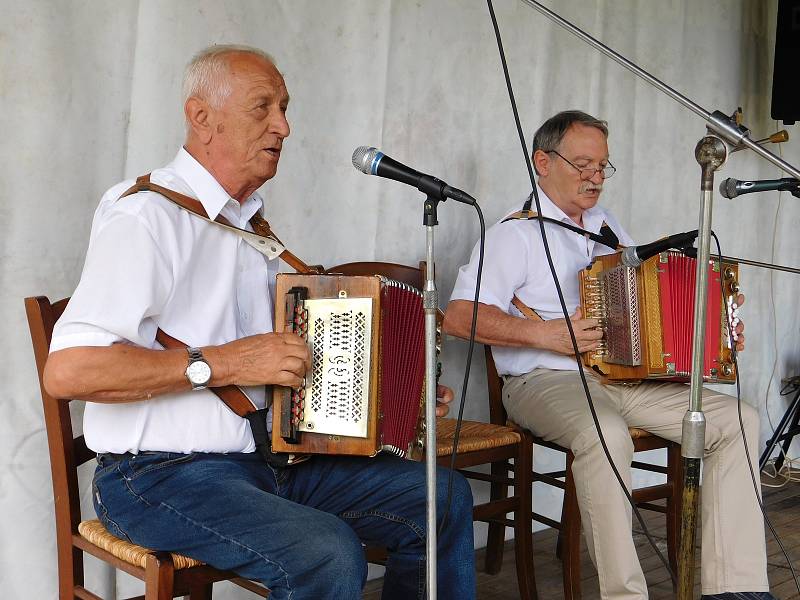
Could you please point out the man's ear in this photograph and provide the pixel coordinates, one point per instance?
(541, 162)
(199, 117)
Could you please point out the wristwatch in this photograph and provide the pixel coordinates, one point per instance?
(198, 372)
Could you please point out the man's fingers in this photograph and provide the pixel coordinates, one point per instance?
(294, 364)
(591, 334)
(288, 379)
(444, 394)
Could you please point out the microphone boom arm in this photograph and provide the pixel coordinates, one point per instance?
(718, 122)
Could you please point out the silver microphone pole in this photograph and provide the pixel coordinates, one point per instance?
(431, 306)
(711, 153)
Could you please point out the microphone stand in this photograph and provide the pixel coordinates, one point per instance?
(430, 299)
(711, 153)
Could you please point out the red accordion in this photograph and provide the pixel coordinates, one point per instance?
(365, 390)
(647, 316)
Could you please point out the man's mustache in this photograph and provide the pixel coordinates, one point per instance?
(588, 186)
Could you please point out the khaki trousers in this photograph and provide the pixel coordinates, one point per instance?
(552, 404)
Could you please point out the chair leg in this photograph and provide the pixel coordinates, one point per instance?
(201, 592)
(523, 526)
(497, 532)
(70, 569)
(159, 577)
(674, 501)
(570, 537)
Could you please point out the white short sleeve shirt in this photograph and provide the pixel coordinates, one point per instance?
(150, 265)
(515, 264)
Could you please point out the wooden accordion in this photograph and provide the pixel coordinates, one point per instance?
(365, 390)
(647, 316)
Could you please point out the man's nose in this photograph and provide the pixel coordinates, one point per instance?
(280, 125)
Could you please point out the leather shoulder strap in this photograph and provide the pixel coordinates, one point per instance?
(607, 237)
(231, 395)
(258, 222)
(526, 310)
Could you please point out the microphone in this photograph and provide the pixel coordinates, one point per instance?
(730, 188)
(633, 256)
(374, 162)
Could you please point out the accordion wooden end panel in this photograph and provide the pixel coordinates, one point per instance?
(647, 317)
(365, 390)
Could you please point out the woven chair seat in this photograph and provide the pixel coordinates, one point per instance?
(95, 532)
(474, 436)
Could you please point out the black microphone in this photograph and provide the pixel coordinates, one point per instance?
(730, 188)
(374, 162)
(633, 256)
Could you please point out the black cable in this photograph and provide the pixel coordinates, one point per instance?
(465, 383)
(564, 306)
(756, 486)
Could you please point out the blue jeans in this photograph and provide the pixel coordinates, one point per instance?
(297, 530)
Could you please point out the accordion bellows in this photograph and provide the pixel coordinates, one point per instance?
(365, 390)
(647, 315)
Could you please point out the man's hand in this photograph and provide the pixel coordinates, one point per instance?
(267, 358)
(444, 396)
(554, 334)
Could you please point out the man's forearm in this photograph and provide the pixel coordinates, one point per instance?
(494, 327)
(124, 373)
(118, 373)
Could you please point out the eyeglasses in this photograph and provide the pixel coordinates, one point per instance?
(586, 174)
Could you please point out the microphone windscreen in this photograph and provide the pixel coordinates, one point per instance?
(727, 188)
(363, 157)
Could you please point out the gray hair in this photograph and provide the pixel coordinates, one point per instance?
(548, 137)
(206, 75)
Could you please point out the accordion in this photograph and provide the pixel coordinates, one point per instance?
(647, 316)
(365, 390)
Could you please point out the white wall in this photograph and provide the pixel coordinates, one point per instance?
(90, 94)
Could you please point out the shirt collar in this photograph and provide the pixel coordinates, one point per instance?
(593, 218)
(208, 190)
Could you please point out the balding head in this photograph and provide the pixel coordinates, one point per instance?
(235, 111)
(207, 76)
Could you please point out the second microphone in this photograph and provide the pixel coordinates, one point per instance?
(374, 162)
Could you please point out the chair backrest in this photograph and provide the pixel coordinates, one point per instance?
(66, 451)
(411, 275)
(494, 383)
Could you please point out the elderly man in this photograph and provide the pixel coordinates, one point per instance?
(543, 392)
(177, 469)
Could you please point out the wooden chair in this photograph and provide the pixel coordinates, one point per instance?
(569, 527)
(165, 574)
(506, 449)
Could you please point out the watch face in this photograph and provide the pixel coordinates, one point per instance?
(199, 373)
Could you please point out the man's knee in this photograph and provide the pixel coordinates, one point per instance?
(337, 556)
(614, 432)
(460, 499)
(723, 426)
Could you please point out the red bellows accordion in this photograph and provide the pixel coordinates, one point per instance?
(647, 316)
(365, 390)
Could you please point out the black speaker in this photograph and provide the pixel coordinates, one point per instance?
(785, 96)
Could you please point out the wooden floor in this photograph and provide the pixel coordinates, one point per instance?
(783, 508)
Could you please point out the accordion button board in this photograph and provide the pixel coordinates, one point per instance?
(647, 317)
(364, 392)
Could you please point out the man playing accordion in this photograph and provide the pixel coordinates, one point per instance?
(177, 469)
(542, 390)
